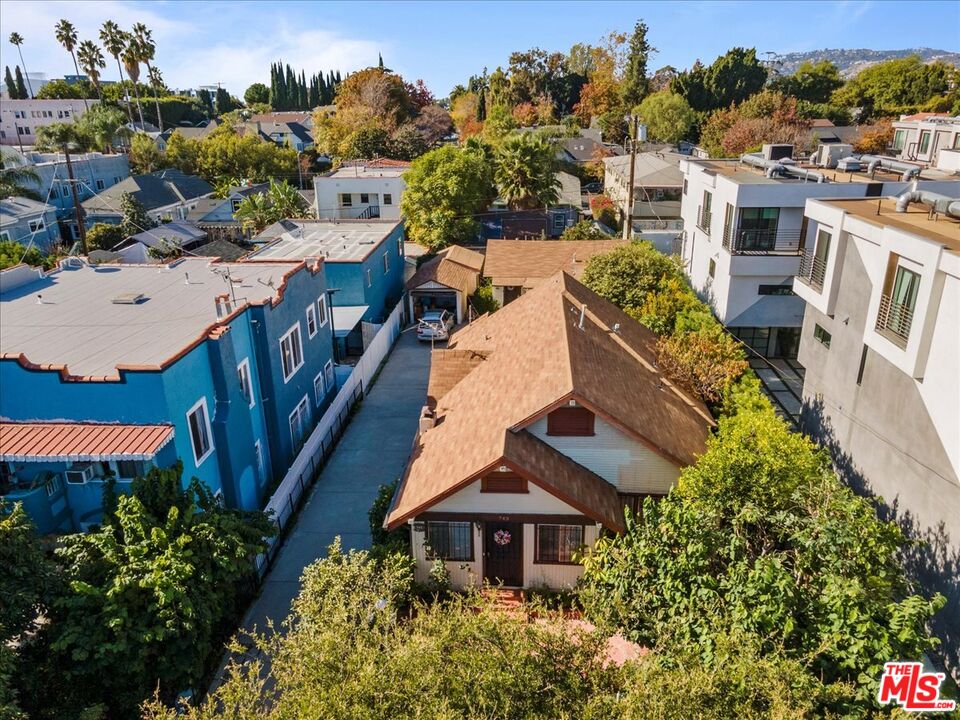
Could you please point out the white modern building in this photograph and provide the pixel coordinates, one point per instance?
(361, 190)
(930, 139)
(881, 348)
(19, 119)
(743, 239)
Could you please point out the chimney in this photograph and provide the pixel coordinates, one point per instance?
(427, 419)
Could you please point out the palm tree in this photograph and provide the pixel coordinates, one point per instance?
(114, 41)
(525, 171)
(91, 60)
(147, 49)
(15, 179)
(67, 36)
(61, 137)
(17, 39)
(255, 213)
(286, 201)
(131, 63)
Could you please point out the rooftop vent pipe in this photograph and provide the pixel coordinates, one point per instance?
(935, 201)
(909, 170)
(776, 168)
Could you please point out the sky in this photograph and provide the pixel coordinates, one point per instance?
(444, 43)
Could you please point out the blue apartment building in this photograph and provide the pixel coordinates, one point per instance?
(364, 265)
(110, 370)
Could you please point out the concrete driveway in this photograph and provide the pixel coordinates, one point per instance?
(372, 451)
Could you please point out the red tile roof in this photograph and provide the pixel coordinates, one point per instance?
(37, 442)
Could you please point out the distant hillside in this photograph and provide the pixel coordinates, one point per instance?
(851, 62)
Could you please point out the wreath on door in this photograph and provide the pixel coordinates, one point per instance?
(502, 537)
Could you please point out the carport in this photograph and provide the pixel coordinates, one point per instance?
(445, 282)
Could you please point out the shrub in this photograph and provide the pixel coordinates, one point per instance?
(705, 361)
(627, 275)
(604, 210)
(482, 299)
(104, 236)
(584, 230)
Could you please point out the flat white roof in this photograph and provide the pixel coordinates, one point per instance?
(363, 172)
(335, 241)
(74, 321)
(346, 317)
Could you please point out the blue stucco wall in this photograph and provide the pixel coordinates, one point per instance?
(385, 289)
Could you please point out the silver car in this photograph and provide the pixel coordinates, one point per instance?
(435, 325)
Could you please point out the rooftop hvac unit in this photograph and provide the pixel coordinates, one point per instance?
(829, 155)
(849, 164)
(777, 152)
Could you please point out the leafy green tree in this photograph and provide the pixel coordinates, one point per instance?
(60, 89)
(101, 127)
(144, 155)
(16, 178)
(445, 187)
(635, 84)
(498, 123)
(526, 171)
(706, 361)
(627, 275)
(813, 82)
(135, 218)
(584, 230)
(902, 83)
(104, 236)
(13, 253)
(668, 116)
(282, 200)
(256, 93)
(147, 594)
(731, 79)
(183, 153)
(762, 538)
(225, 153)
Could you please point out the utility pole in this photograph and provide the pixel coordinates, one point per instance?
(76, 204)
(628, 221)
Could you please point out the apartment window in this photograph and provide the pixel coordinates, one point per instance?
(503, 482)
(703, 222)
(246, 385)
(821, 336)
(899, 138)
(319, 392)
(322, 309)
(200, 435)
(758, 228)
(4, 236)
(387, 199)
(570, 422)
(364, 199)
(756, 338)
(558, 222)
(712, 268)
(896, 310)
(386, 263)
(98, 183)
(684, 186)
(346, 200)
(235, 204)
(299, 422)
(369, 278)
(328, 374)
(116, 179)
(129, 468)
(863, 365)
(35, 225)
(291, 352)
(557, 544)
(924, 142)
(311, 321)
(54, 485)
(65, 191)
(25, 130)
(66, 113)
(400, 244)
(775, 290)
(450, 540)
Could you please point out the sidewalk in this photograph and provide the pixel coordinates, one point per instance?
(373, 451)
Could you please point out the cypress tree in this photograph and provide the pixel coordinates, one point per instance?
(304, 102)
(291, 89)
(380, 63)
(21, 87)
(273, 85)
(11, 84)
(481, 106)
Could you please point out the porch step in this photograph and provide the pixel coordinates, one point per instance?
(506, 597)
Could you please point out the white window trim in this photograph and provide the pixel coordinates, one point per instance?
(318, 400)
(245, 366)
(202, 402)
(312, 315)
(369, 277)
(325, 314)
(296, 411)
(295, 328)
(328, 372)
(258, 459)
(386, 263)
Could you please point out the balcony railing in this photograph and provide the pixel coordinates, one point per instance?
(813, 269)
(372, 211)
(749, 241)
(703, 220)
(894, 320)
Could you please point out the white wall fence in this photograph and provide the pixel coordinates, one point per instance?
(313, 455)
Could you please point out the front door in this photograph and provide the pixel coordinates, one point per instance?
(503, 553)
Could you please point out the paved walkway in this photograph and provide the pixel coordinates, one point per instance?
(372, 451)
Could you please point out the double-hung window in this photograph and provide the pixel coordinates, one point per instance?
(450, 540)
(387, 199)
(328, 374)
(36, 225)
(386, 263)
(311, 321)
(369, 278)
(557, 543)
(364, 199)
(246, 384)
(319, 389)
(291, 352)
(200, 436)
(322, 310)
(346, 200)
(299, 422)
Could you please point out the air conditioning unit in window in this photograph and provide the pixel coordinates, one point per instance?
(80, 474)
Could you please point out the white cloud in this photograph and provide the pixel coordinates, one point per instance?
(231, 44)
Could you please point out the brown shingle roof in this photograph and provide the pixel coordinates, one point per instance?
(508, 369)
(526, 262)
(456, 267)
